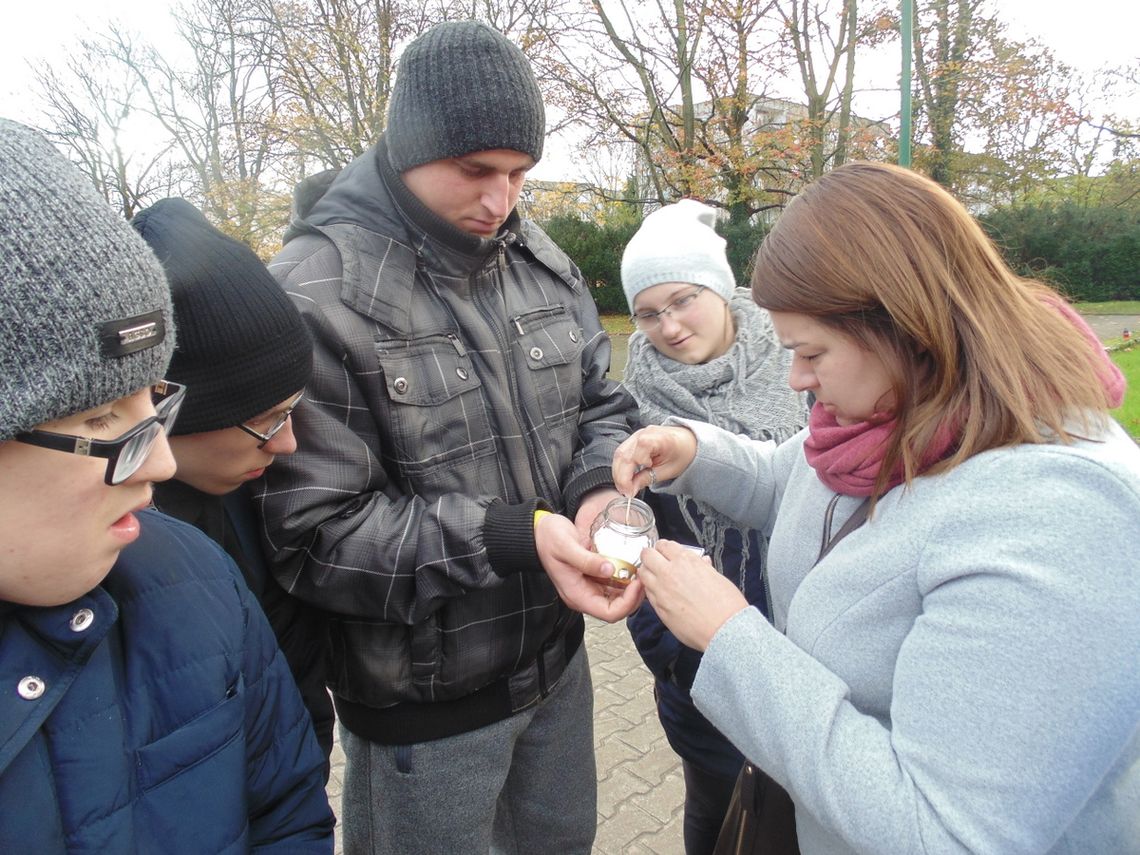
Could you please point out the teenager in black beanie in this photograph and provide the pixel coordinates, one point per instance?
(244, 355)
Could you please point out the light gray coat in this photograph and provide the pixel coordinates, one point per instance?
(962, 673)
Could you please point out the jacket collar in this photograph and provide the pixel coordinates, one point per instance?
(430, 228)
(384, 234)
(368, 193)
(45, 642)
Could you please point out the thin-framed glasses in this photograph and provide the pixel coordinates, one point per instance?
(647, 321)
(275, 423)
(128, 452)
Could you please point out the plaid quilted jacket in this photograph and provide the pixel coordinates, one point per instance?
(459, 383)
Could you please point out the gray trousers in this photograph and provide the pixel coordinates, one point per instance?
(521, 786)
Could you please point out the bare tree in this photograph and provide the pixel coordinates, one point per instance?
(949, 39)
(1025, 121)
(333, 63)
(216, 103)
(674, 84)
(91, 107)
(819, 47)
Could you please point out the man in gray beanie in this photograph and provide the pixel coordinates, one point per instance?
(145, 707)
(453, 450)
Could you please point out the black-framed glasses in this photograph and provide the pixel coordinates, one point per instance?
(272, 424)
(128, 452)
(647, 321)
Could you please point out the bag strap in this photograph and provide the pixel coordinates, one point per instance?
(857, 518)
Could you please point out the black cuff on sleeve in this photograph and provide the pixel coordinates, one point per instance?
(508, 535)
(583, 484)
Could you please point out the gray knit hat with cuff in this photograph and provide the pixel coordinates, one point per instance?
(677, 243)
(85, 314)
(463, 87)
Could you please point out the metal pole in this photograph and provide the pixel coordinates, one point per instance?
(907, 31)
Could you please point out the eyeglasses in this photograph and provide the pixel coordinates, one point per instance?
(647, 321)
(274, 426)
(127, 453)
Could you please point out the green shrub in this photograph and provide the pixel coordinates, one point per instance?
(742, 239)
(597, 250)
(1091, 254)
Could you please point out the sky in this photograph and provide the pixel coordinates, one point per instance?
(1085, 35)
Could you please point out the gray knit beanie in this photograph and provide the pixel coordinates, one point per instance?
(677, 243)
(463, 87)
(85, 315)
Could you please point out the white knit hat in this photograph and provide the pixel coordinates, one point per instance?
(677, 243)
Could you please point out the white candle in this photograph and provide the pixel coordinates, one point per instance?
(613, 544)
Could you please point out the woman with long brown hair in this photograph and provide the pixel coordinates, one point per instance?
(958, 673)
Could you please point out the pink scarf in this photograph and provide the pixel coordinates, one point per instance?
(848, 458)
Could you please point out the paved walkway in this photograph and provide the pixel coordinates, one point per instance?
(1113, 326)
(640, 789)
(640, 786)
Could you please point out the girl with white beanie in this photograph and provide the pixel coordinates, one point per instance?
(702, 350)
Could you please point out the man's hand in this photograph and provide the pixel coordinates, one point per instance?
(687, 592)
(580, 575)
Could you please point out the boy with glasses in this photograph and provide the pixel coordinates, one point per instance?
(245, 355)
(144, 706)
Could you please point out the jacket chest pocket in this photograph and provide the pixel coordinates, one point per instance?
(201, 762)
(438, 414)
(550, 341)
(213, 732)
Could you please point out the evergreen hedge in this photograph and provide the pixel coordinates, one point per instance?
(597, 249)
(1090, 254)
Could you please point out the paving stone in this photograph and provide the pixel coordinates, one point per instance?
(619, 832)
(606, 724)
(663, 800)
(619, 787)
(669, 839)
(615, 753)
(657, 762)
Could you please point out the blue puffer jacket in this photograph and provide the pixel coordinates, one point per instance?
(674, 665)
(155, 714)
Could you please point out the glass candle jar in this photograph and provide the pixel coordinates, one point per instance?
(620, 532)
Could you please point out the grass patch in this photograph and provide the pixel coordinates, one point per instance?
(1128, 414)
(1113, 307)
(617, 324)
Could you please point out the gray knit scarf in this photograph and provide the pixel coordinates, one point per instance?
(745, 391)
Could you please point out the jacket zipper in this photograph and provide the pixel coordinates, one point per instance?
(508, 357)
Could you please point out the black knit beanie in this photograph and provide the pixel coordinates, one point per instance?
(242, 345)
(463, 87)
